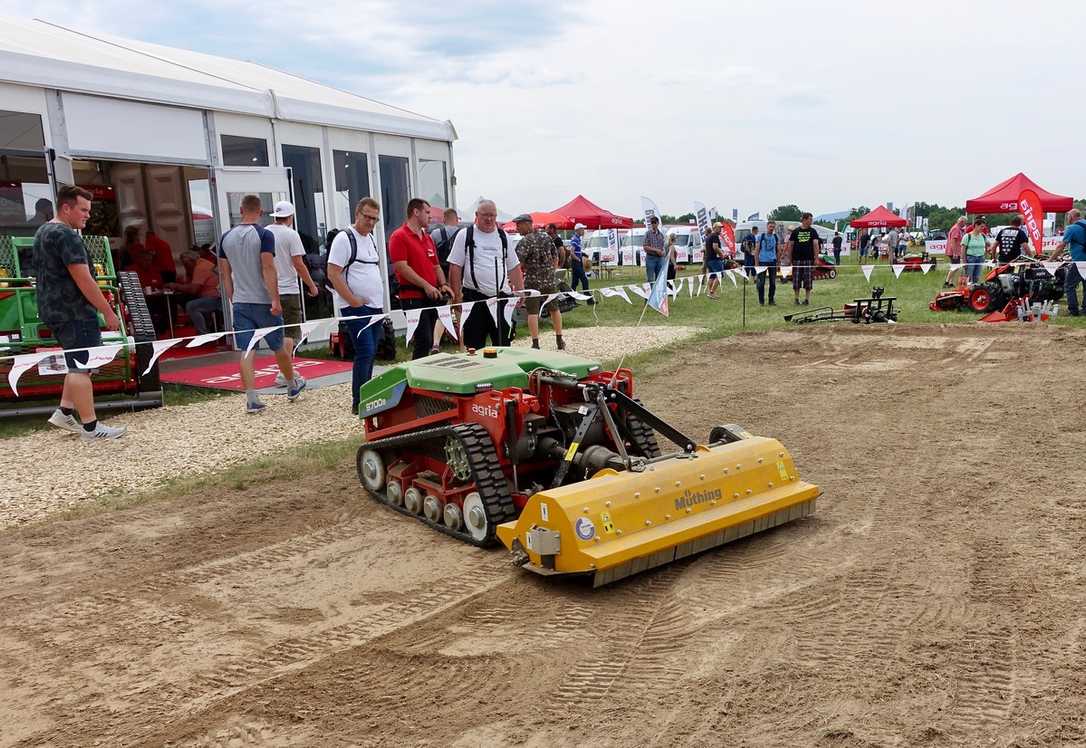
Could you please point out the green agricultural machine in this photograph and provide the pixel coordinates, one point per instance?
(22, 331)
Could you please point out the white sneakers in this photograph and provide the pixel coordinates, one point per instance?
(65, 423)
(73, 426)
(101, 431)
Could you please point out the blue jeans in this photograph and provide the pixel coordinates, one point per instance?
(1070, 287)
(365, 346)
(198, 310)
(654, 266)
(973, 265)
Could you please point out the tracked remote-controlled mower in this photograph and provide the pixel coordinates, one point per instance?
(555, 458)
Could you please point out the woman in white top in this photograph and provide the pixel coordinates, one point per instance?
(354, 271)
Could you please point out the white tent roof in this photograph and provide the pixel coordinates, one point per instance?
(39, 53)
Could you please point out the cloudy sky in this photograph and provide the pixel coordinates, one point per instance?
(745, 104)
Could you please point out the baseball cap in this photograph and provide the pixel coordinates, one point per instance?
(283, 209)
(579, 226)
(522, 217)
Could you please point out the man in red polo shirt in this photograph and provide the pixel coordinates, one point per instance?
(422, 282)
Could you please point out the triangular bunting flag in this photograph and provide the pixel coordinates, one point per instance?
(867, 270)
(318, 327)
(465, 311)
(580, 296)
(1052, 267)
(492, 307)
(674, 286)
(204, 339)
(618, 291)
(259, 334)
(760, 269)
(898, 269)
(99, 356)
(549, 299)
(158, 347)
(374, 319)
(989, 263)
(786, 269)
(444, 313)
(690, 287)
(955, 266)
(1081, 269)
(413, 316)
(926, 266)
(510, 307)
(23, 362)
(731, 277)
(642, 290)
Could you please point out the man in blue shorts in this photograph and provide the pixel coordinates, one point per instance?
(69, 302)
(1074, 241)
(247, 269)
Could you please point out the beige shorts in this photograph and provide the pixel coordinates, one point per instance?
(292, 309)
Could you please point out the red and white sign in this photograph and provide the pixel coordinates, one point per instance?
(1029, 206)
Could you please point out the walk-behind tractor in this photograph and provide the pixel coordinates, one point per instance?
(22, 331)
(555, 458)
(914, 261)
(876, 309)
(1000, 286)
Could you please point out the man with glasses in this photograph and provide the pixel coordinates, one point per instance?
(354, 270)
(482, 265)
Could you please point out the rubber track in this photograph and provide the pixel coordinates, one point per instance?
(487, 472)
(641, 436)
(143, 329)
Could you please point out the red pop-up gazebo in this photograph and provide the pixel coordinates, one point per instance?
(582, 210)
(880, 217)
(541, 218)
(1003, 198)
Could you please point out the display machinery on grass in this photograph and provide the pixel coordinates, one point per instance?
(554, 457)
(22, 331)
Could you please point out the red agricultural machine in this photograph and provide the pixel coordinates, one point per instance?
(1003, 284)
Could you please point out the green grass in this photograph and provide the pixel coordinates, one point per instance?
(913, 291)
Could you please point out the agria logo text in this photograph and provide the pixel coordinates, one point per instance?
(484, 411)
(693, 498)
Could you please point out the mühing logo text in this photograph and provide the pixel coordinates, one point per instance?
(693, 498)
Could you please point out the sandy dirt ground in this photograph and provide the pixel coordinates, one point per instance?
(935, 598)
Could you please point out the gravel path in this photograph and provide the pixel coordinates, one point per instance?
(50, 471)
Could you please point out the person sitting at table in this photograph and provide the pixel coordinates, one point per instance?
(132, 246)
(202, 287)
(142, 263)
(163, 256)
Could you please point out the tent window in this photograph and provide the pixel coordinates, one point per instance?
(433, 183)
(239, 151)
(395, 189)
(25, 193)
(352, 184)
(305, 163)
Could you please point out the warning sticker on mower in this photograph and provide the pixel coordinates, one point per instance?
(606, 523)
(543, 512)
(782, 470)
(584, 528)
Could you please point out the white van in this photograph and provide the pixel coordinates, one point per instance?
(688, 244)
(595, 246)
(629, 247)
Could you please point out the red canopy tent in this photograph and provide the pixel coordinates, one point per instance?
(582, 210)
(1003, 198)
(541, 218)
(880, 217)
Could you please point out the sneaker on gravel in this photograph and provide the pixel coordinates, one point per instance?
(296, 388)
(254, 406)
(101, 431)
(65, 423)
(280, 380)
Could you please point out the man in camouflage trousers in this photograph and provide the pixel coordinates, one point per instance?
(539, 259)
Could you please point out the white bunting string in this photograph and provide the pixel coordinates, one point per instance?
(492, 307)
(1052, 267)
(786, 269)
(731, 277)
(510, 308)
(306, 329)
(158, 347)
(926, 266)
(259, 334)
(208, 337)
(867, 270)
(642, 290)
(954, 266)
(898, 269)
(553, 296)
(617, 291)
(99, 356)
(761, 269)
(1081, 269)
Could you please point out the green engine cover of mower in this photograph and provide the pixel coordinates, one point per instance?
(463, 374)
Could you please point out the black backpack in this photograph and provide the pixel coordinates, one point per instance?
(469, 250)
(445, 245)
(350, 260)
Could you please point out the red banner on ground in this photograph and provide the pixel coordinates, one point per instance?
(1029, 207)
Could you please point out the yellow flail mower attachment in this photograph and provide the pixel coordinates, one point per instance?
(621, 522)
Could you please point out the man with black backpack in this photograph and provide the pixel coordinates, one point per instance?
(354, 270)
(482, 265)
(442, 237)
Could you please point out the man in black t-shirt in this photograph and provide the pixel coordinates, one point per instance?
(1011, 241)
(563, 255)
(714, 260)
(803, 245)
(837, 242)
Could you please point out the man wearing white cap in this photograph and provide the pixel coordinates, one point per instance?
(576, 263)
(289, 265)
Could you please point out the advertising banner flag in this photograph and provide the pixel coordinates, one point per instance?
(1029, 207)
(648, 207)
(701, 215)
(728, 236)
(612, 248)
(658, 296)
